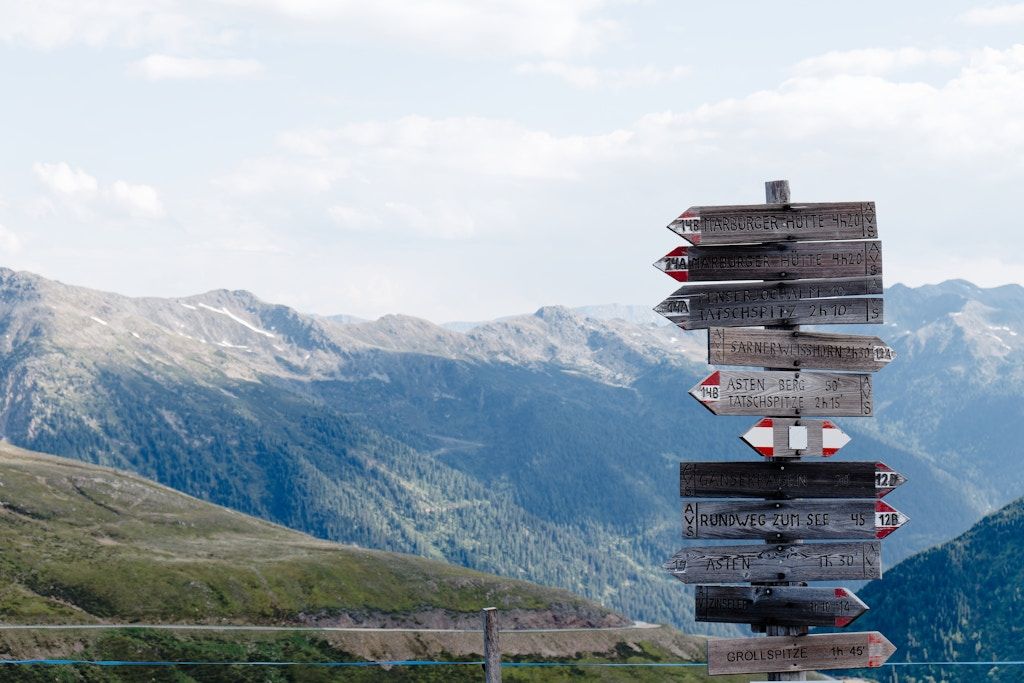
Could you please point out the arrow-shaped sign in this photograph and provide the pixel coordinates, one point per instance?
(776, 223)
(777, 562)
(827, 301)
(778, 605)
(797, 349)
(784, 394)
(775, 437)
(798, 653)
(791, 519)
(787, 479)
(780, 261)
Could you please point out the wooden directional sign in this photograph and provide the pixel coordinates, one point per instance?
(779, 261)
(778, 605)
(797, 349)
(775, 437)
(796, 302)
(784, 394)
(776, 223)
(798, 653)
(790, 519)
(781, 479)
(777, 562)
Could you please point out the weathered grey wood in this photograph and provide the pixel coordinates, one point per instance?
(783, 520)
(776, 191)
(492, 646)
(776, 223)
(797, 349)
(803, 653)
(783, 291)
(814, 302)
(785, 394)
(781, 479)
(771, 437)
(841, 311)
(779, 605)
(777, 261)
(777, 562)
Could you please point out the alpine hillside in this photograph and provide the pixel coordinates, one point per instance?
(541, 446)
(967, 601)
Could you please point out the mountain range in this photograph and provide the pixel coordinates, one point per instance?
(541, 446)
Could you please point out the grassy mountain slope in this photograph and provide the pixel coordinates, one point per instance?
(82, 543)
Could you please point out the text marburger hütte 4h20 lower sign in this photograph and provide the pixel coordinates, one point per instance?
(817, 264)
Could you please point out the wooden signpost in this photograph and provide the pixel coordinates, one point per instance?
(773, 520)
(798, 653)
(822, 265)
(797, 350)
(784, 394)
(780, 479)
(776, 222)
(781, 605)
(777, 562)
(812, 302)
(780, 261)
(775, 437)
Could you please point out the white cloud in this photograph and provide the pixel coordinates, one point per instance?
(436, 178)
(50, 24)
(974, 115)
(63, 179)
(521, 27)
(524, 27)
(464, 178)
(83, 193)
(9, 242)
(995, 15)
(590, 77)
(352, 218)
(165, 67)
(475, 145)
(875, 61)
(138, 200)
(279, 174)
(442, 219)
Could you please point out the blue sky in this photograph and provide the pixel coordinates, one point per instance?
(467, 159)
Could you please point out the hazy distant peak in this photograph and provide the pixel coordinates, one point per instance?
(555, 314)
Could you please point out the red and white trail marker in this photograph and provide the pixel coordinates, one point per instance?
(775, 437)
(675, 264)
(887, 519)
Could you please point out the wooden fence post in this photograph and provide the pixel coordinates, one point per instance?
(492, 646)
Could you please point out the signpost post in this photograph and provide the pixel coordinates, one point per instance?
(821, 264)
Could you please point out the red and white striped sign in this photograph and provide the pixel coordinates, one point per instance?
(774, 437)
(675, 264)
(887, 519)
